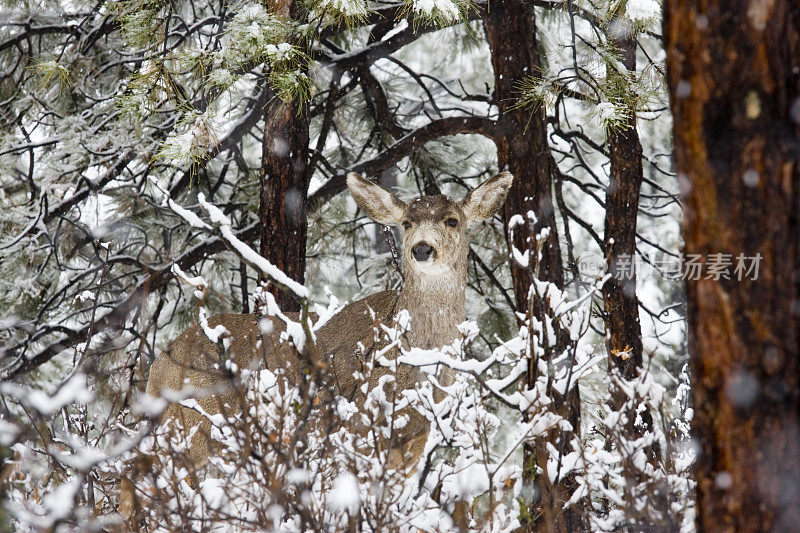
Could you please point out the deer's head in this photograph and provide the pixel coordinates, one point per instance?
(435, 237)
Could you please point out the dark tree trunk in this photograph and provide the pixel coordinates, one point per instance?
(621, 313)
(619, 292)
(284, 182)
(522, 149)
(734, 79)
(622, 207)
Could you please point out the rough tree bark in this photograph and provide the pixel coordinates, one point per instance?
(284, 179)
(284, 182)
(522, 146)
(522, 149)
(734, 79)
(622, 207)
(621, 306)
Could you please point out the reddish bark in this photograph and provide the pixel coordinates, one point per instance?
(734, 78)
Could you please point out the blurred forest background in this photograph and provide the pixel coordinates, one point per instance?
(115, 116)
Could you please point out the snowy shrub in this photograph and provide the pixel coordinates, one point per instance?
(292, 459)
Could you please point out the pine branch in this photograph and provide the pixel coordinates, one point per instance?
(115, 319)
(403, 148)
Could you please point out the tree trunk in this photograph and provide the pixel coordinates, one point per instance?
(621, 313)
(622, 207)
(624, 340)
(523, 150)
(734, 79)
(284, 178)
(284, 182)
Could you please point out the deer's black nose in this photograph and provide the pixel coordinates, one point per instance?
(423, 251)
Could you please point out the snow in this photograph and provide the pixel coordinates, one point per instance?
(197, 138)
(182, 212)
(294, 330)
(344, 493)
(59, 502)
(401, 25)
(250, 255)
(469, 481)
(73, 390)
(85, 296)
(606, 111)
(446, 9)
(515, 220)
(213, 491)
(194, 281)
(265, 326)
(522, 258)
(750, 178)
(214, 334)
(643, 9)
(347, 8)
(8, 433)
(224, 225)
(83, 457)
(298, 476)
(148, 405)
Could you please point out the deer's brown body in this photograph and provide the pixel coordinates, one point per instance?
(435, 247)
(193, 360)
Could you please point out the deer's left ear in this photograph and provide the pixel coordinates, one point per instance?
(484, 201)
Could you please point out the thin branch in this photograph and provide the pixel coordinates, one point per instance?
(115, 319)
(403, 148)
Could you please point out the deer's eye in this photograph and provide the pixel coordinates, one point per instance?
(452, 222)
(406, 224)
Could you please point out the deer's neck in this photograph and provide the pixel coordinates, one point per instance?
(436, 305)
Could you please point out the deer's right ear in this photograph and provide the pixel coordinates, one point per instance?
(379, 204)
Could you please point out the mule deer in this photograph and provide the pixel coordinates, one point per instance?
(435, 247)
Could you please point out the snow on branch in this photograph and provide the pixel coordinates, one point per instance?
(247, 253)
(223, 224)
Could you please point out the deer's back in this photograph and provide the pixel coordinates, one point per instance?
(192, 360)
(347, 340)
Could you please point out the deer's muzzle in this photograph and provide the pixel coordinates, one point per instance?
(423, 251)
